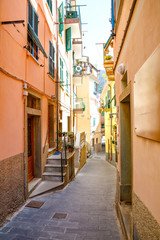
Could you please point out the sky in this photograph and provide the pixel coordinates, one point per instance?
(97, 15)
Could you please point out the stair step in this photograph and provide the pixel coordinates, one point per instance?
(50, 176)
(54, 161)
(54, 168)
(51, 151)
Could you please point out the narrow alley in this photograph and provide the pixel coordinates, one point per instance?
(85, 209)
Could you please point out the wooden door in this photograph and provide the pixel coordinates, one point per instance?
(30, 149)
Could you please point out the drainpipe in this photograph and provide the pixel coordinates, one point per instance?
(57, 29)
(111, 120)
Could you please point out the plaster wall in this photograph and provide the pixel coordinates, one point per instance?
(11, 118)
(83, 120)
(141, 40)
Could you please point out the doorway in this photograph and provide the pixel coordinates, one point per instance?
(30, 149)
(51, 125)
(126, 160)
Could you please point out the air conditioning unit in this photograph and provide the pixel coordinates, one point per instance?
(71, 14)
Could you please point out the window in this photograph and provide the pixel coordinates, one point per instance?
(32, 29)
(99, 88)
(51, 59)
(108, 99)
(61, 72)
(68, 39)
(95, 87)
(50, 4)
(61, 19)
(94, 122)
(67, 82)
(114, 95)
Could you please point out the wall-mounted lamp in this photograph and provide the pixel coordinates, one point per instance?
(121, 69)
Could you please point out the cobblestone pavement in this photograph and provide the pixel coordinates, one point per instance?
(88, 202)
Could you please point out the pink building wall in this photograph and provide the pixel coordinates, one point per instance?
(142, 38)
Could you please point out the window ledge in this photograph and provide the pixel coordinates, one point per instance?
(30, 55)
(53, 78)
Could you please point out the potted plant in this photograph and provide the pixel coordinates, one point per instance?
(59, 133)
(70, 134)
(70, 147)
(108, 57)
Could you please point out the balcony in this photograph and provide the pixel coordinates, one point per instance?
(73, 20)
(77, 47)
(77, 75)
(109, 65)
(78, 105)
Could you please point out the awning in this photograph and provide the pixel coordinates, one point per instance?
(36, 40)
(108, 42)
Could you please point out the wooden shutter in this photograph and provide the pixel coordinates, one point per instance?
(68, 39)
(61, 18)
(30, 14)
(35, 23)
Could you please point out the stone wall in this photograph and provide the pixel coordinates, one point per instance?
(145, 225)
(11, 185)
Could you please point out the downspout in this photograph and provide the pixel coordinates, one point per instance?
(125, 31)
(111, 120)
(25, 126)
(57, 28)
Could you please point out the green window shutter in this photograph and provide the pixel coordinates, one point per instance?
(68, 39)
(99, 88)
(61, 72)
(35, 23)
(61, 18)
(95, 87)
(30, 14)
(51, 59)
(50, 4)
(67, 81)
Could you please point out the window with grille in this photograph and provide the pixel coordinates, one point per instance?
(51, 59)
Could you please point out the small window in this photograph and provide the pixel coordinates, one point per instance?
(50, 4)
(96, 140)
(51, 59)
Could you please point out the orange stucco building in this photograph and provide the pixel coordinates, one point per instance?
(27, 91)
(136, 66)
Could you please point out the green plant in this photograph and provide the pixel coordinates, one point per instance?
(70, 134)
(108, 57)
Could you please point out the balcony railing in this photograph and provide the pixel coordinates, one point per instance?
(73, 12)
(78, 104)
(77, 70)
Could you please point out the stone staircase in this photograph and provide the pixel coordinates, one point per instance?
(52, 171)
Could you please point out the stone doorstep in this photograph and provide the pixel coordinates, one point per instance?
(33, 184)
(125, 212)
(46, 186)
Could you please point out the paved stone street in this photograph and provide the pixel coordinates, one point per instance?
(88, 202)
